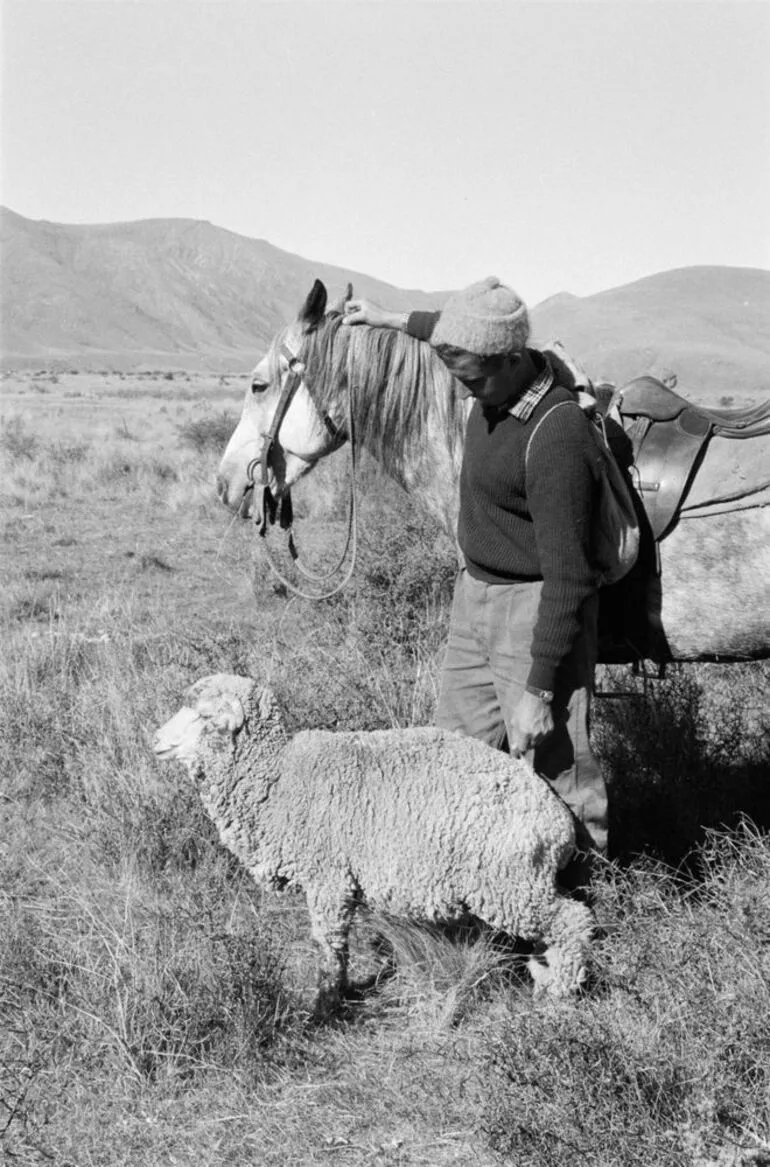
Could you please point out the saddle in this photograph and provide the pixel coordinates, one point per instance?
(669, 436)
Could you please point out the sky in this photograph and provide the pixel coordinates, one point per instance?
(562, 145)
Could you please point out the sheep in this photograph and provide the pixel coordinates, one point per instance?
(421, 823)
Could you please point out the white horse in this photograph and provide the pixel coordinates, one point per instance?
(711, 596)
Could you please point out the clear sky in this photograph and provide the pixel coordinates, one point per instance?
(563, 145)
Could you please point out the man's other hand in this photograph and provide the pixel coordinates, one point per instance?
(531, 723)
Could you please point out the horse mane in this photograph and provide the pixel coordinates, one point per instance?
(402, 395)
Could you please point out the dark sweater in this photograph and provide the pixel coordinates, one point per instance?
(536, 526)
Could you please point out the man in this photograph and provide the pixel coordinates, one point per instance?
(518, 671)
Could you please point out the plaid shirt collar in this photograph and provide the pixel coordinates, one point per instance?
(525, 406)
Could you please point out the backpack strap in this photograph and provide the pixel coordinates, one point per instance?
(616, 528)
(547, 414)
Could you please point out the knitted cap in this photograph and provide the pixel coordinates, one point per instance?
(487, 319)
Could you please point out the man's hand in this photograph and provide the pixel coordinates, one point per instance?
(531, 723)
(365, 312)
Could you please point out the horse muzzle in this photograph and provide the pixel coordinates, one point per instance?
(235, 502)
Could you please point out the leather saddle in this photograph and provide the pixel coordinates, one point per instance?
(669, 436)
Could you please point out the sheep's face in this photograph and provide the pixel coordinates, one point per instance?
(178, 738)
(215, 703)
(562, 977)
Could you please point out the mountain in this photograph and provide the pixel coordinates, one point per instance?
(710, 325)
(178, 292)
(184, 293)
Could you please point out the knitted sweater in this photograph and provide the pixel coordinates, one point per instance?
(536, 525)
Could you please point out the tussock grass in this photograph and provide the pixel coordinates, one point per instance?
(40, 472)
(668, 1061)
(148, 983)
(433, 978)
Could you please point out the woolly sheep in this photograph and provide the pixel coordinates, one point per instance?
(420, 823)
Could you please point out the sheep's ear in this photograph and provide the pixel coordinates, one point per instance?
(230, 716)
(226, 713)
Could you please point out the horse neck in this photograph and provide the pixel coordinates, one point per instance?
(405, 415)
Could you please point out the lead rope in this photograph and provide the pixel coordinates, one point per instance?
(351, 539)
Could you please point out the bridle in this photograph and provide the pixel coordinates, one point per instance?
(282, 509)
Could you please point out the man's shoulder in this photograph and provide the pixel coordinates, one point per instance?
(557, 395)
(558, 427)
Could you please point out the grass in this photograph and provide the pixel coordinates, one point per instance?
(668, 1062)
(154, 1003)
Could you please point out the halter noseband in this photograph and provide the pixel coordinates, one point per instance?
(269, 508)
(283, 508)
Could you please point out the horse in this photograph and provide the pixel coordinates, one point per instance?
(699, 592)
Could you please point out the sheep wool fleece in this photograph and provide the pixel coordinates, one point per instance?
(421, 823)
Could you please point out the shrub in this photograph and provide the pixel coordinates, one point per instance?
(681, 756)
(212, 432)
(17, 440)
(63, 453)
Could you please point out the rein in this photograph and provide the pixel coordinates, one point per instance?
(270, 509)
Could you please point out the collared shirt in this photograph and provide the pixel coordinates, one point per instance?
(525, 406)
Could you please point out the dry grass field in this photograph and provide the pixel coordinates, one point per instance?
(154, 1004)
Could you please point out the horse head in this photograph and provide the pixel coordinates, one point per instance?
(281, 433)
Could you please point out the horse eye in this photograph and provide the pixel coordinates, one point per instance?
(258, 386)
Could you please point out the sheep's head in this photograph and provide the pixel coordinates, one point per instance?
(215, 704)
(564, 967)
(561, 976)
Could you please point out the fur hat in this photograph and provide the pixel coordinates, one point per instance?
(487, 319)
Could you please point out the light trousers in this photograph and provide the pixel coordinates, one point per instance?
(485, 670)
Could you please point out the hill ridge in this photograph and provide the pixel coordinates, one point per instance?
(187, 293)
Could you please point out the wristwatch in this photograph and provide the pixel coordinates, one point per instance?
(544, 694)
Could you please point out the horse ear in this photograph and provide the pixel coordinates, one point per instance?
(339, 305)
(314, 307)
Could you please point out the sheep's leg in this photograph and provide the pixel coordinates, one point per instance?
(331, 915)
(567, 937)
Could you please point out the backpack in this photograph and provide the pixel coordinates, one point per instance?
(616, 527)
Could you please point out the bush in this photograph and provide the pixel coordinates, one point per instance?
(212, 432)
(62, 453)
(683, 754)
(16, 440)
